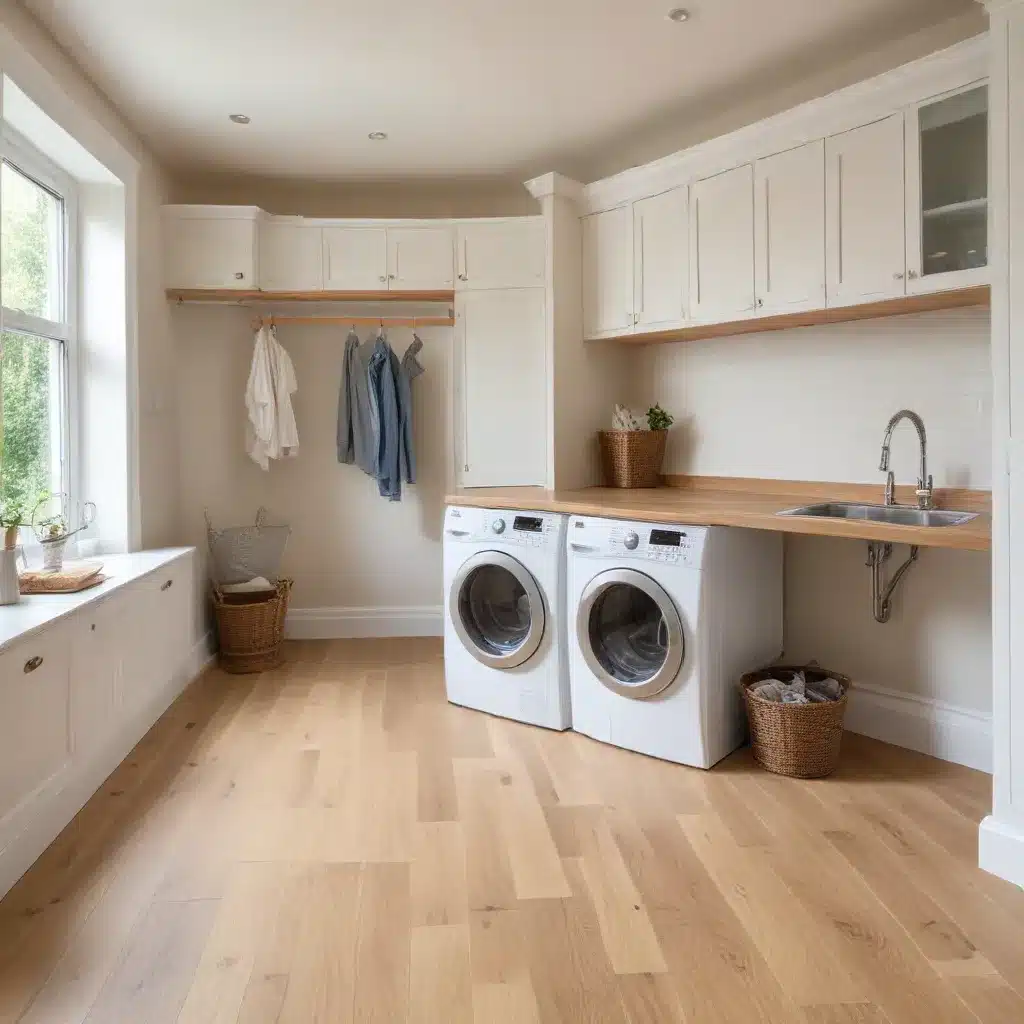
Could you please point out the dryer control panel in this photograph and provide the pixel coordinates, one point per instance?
(503, 527)
(644, 542)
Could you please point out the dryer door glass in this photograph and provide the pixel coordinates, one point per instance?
(630, 633)
(497, 610)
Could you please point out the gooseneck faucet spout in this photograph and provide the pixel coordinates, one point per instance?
(925, 489)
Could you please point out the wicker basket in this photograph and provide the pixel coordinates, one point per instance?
(800, 740)
(250, 627)
(632, 458)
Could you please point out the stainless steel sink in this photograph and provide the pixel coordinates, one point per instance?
(896, 515)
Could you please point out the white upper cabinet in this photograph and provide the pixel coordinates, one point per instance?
(789, 230)
(722, 246)
(661, 249)
(210, 247)
(501, 344)
(355, 259)
(608, 272)
(500, 254)
(865, 207)
(947, 191)
(291, 256)
(421, 258)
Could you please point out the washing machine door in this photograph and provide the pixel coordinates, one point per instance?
(630, 633)
(497, 610)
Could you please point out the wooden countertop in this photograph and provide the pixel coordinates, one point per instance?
(706, 501)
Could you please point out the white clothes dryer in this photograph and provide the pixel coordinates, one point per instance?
(505, 649)
(664, 620)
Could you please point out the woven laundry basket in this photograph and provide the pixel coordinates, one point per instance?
(799, 740)
(632, 458)
(250, 627)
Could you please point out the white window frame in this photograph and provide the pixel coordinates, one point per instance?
(30, 161)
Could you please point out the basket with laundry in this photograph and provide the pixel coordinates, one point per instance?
(796, 719)
(250, 598)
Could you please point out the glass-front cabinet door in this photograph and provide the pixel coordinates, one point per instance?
(947, 192)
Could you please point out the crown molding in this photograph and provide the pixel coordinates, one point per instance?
(554, 184)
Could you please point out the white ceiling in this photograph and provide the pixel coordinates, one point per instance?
(463, 87)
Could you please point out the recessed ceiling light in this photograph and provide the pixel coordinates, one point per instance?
(239, 118)
(378, 136)
(678, 15)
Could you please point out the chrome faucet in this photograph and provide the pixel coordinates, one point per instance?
(925, 489)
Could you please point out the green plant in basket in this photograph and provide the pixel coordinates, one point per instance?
(658, 419)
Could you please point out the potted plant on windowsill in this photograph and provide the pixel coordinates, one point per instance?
(54, 532)
(12, 518)
(633, 456)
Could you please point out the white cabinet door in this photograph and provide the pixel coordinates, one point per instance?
(503, 384)
(355, 259)
(608, 272)
(291, 257)
(661, 248)
(421, 259)
(500, 254)
(209, 252)
(865, 213)
(722, 246)
(100, 637)
(789, 226)
(33, 714)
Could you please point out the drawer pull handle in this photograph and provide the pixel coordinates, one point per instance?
(32, 664)
(168, 585)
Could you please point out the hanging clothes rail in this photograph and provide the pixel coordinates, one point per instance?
(353, 321)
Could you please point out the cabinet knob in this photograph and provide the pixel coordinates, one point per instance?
(760, 303)
(382, 279)
(462, 277)
(32, 664)
(168, 585)
(913, 275)
(898, 277)
(391, 277)
(239, 276)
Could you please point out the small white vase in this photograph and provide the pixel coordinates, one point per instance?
(9, 591)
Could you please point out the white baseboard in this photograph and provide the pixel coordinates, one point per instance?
(337, 623)
(204, 654)
(28, 830)
(930, 726)
(1001, 850)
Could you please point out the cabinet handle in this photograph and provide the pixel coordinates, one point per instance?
(32, 664)
(913, 275)
(462, 277)
(239, 276)
(93, 627)
(391, 277)
(383, 279)
(760, 303)
(898, 277)
(168, 585)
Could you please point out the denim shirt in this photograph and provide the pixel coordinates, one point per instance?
(383, 379)
(410, 369)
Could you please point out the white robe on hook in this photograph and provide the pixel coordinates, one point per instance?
(272, 432)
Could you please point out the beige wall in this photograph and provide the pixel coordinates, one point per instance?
(361, 199)
(349, 548)
(31, 57)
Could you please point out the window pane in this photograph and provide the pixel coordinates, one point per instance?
(31, 420)
(30, 246)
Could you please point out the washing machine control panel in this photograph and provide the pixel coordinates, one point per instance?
(671, 545)
(506, 528)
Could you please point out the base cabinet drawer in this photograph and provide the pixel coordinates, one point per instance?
(34, 697)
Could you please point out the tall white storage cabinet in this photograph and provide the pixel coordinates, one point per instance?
(660, 258)
(865, 203)
(789, 230)
(722, 246)
(501, 349)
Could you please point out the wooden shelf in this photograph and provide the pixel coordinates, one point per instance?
(976, 296)
(249, 296)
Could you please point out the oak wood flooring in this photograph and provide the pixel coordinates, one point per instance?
(333, 842)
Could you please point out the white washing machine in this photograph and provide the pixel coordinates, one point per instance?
(664, 620)
(505, 649)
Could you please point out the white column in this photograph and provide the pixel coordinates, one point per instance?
(1001, 845)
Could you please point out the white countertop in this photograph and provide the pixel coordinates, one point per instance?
(37, 611)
